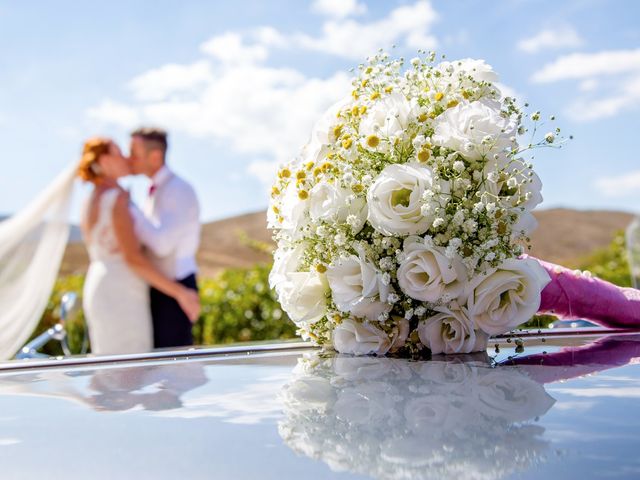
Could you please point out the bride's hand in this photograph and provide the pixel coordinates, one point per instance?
(189, 301)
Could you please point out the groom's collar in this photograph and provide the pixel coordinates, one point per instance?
(161, 176)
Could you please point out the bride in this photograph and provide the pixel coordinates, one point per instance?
(116, 290)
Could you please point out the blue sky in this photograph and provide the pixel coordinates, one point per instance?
(239, 84)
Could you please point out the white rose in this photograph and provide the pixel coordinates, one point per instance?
(427, 274)
(395, 200)
(525, 224)
(285, 261)
(464, 127)
(388, 117)
(357, 287)
(360, 338)
(507, 296)
(334, 204)
(451, 331)
(304, 297)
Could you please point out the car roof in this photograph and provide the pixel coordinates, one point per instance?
(567, 406)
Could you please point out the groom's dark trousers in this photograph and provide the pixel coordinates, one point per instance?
(171, 326)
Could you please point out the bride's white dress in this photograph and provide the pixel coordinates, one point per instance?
(115, 299)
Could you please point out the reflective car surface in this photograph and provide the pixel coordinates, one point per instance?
(565, 407)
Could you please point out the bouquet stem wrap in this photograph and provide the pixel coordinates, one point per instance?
(574, 294)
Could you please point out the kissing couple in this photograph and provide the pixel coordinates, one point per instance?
(140, 290)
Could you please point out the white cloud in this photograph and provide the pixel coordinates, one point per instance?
(614, 392)
(9, 441)
(562, 37)
(409, 24)
(230, 48)
(609, 80)
(619, 186)
(338, 8)
(232, 95)
(110, 111)
(255, 109)
(269, 37)
(263, 170)
(587, 65)
(588, 85)
(170, 79)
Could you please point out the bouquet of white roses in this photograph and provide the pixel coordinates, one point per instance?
(400, 225)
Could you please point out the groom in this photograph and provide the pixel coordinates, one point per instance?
(171, 232)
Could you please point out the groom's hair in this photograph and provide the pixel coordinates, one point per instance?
(153, 138)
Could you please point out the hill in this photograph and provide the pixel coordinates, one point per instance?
(563, 236)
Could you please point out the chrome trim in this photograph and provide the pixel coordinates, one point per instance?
(565, 332)
(199, 352)
(57, 362)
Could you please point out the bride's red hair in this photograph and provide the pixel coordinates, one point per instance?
(93, 149)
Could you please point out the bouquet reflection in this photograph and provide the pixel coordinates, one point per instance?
(391, 418)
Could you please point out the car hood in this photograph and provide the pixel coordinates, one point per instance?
(566, 407)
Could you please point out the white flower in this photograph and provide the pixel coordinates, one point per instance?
(285, 261)
(426, 273)
(451, 331)
(395, 200)
(389, 116)
(357, 287)
(508, 296)
(294, 213)
(322, 133)
(464, 127)
(360, 338)
(336, 205)
(304, 297)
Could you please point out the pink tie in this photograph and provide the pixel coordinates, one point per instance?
(152, 189)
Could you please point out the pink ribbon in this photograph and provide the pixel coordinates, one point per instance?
(573, 294)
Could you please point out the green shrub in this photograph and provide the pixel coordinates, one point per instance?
(238, 305)
(611, 263)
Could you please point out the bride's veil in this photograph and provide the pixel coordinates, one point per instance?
(32, 244)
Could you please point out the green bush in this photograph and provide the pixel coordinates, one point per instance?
(238, 305)
(611, 263)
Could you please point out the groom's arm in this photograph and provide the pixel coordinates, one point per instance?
(163, 236)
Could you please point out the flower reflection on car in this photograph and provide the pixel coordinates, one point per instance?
(390, 418)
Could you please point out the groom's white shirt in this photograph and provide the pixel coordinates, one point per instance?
(171, 227)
